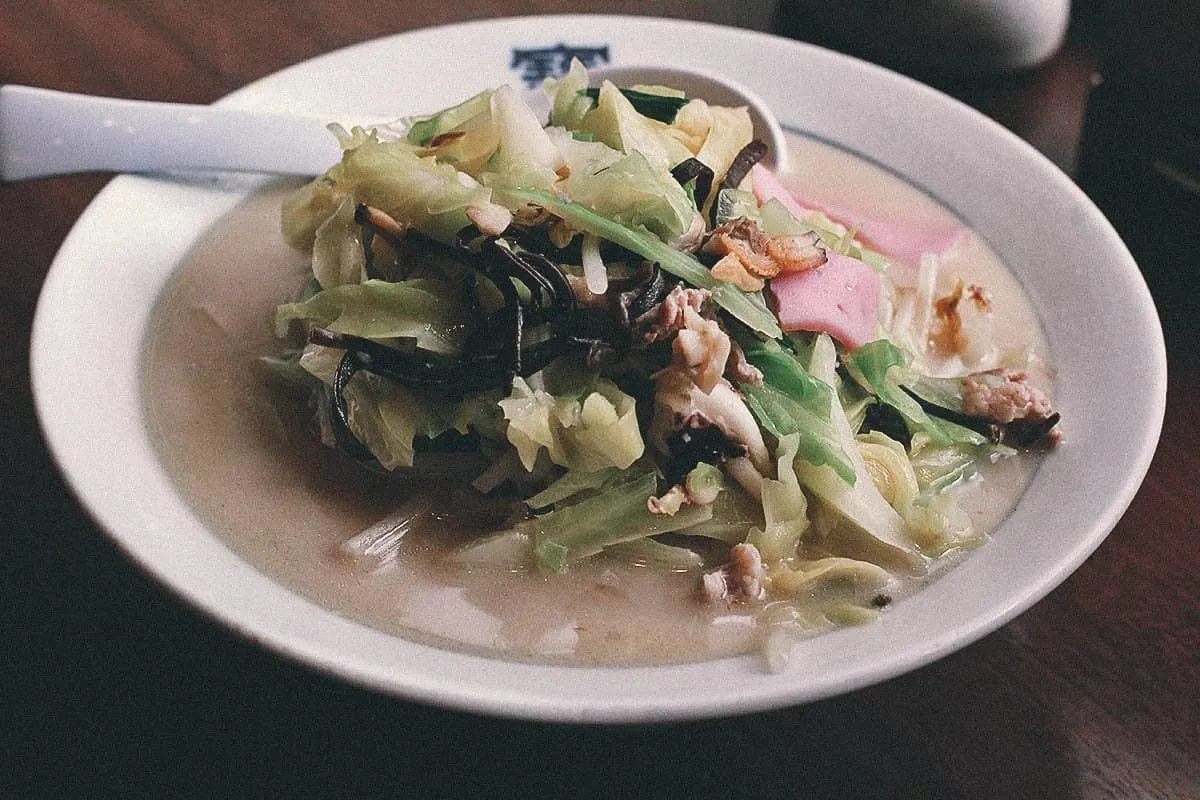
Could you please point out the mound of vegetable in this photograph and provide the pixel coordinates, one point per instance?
(658, 349)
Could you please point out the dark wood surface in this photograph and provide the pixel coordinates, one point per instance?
(111, 687)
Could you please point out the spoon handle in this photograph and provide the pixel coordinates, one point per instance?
(45, 132)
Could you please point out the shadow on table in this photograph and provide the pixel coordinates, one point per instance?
(118, 690)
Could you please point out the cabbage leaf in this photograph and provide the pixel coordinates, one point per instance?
(422, 130)
(420, 308)
(618, 514)
(588, 426)
(616, 122)
(635, 194)
(785, 507)
(881, 366)
(385, 417)
(880, 530)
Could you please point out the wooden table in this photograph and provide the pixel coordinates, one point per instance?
(112, 687)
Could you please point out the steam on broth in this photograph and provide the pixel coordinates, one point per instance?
(239, 446)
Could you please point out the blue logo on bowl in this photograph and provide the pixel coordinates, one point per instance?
(537, 64)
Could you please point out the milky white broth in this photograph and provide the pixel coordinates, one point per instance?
(238, 447)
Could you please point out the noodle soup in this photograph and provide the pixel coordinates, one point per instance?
(238, 443)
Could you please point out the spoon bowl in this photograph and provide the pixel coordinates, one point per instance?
(45, 132)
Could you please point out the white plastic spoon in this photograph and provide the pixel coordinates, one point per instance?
(45, 132)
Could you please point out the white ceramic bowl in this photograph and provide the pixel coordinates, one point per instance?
(1103, 334)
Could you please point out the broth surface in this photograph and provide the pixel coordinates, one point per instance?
(239, 448)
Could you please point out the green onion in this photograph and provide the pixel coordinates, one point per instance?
(749, 308)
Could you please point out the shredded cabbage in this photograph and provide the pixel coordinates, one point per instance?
(414, 189)
(386, 418)
(611, 517)
(785, 507)
(882, 366)
(878, 529)
(421, 308)
(422, 130)
(617, 123)
(568, 103)
(587, 426)
(338, 256)
(525, 154)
